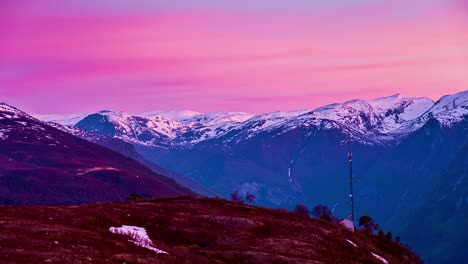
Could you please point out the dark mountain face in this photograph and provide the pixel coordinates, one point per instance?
(437, 227)
(400, 179)
(129, 150)
(40, 164)
(306, 165)
(97, 123)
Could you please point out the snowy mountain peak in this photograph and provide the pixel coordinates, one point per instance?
(390, 101)
(397, 111)
(176, 115)
(451, 102)
(214, 118)
(449, 109)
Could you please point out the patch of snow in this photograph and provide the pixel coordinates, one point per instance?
(379, 258)
(22, 123)
(97, 169)
(3, 135)
(289, 175)
(351, 242)
(138, 235)
(458, 182)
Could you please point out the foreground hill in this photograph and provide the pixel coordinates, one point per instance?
(40, 164)
(189, 229)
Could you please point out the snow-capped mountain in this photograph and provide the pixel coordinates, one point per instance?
(160, 131)
(367, 121)
(449, 109)
(381, 121)
(14, 120)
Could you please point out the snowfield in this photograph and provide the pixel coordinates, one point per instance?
(138, 235)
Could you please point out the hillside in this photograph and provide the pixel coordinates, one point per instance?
(40, 164)
(129, 150)
(189, 229)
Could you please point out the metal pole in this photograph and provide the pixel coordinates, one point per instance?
(350, 157)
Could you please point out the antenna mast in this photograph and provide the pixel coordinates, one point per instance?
(350, 158)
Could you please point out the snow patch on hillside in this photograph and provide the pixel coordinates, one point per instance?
(351, 242)
(138, 235)
(3, 135)
(379, 258)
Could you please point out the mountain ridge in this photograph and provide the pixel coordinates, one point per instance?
(383, 120)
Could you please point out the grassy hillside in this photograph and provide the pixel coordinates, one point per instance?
(190, 229)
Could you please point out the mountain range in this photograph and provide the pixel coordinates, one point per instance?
(380, 121)
(402, 149)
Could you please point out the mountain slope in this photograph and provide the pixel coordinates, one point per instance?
(43, 165)
(129, 150)
(400, 179)
(189, 229)
(442, 216)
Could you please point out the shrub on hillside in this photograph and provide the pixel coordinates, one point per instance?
(302, 210)
(249, 197)
(321, 212)
(236, 197)
(368, 224)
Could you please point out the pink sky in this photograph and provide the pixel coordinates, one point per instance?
(59, 58)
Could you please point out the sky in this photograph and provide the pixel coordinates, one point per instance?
(79, 56)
